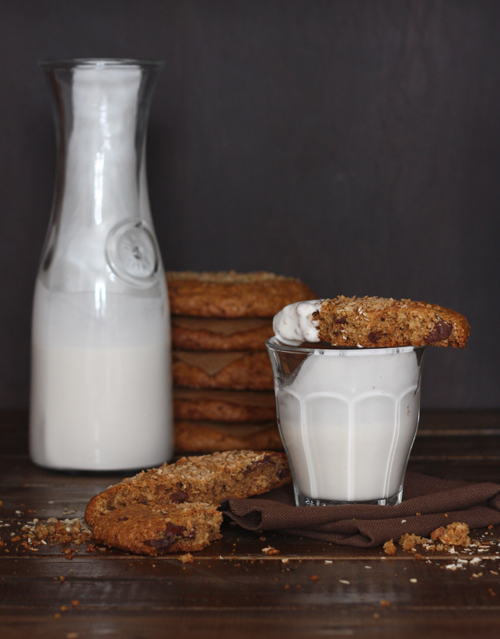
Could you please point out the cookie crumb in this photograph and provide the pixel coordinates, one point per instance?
(409, 541)
(269, 550)
(390, 548)
(455, 534)
(186, 558)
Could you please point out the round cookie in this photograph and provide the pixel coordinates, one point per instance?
(208, 437)
(224, 370)
(231, 294)
(196, 404)
(214, 334)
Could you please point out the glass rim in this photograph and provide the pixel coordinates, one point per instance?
(99, 63)
(274, 344)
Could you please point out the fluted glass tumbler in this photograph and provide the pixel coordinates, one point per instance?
(348, 419)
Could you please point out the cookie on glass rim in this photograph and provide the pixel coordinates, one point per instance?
(369, 322)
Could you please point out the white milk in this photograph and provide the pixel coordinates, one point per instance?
(348, 420)
(100, 396)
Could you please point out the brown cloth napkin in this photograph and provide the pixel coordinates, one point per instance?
(428, 503)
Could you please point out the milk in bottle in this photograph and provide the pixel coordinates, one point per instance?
(100, 390)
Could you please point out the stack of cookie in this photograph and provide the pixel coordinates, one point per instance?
(223, 381)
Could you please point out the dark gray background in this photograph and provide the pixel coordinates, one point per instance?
(353, 144)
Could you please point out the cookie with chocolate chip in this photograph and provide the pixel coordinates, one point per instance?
(147, 530)
(216, 334)
(206, 437)
(370, 322)
(174, 507)
(244, 370)
(210, 405)
(230, 294)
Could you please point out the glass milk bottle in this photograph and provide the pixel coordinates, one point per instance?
(100, 380)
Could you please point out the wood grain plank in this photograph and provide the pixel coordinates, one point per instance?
(249, 624)
(269, 585)
(465, 447)
(459, 422)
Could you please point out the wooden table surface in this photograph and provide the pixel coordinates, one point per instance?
(233, 589)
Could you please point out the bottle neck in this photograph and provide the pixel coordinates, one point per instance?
(103, 154)
(101, 213)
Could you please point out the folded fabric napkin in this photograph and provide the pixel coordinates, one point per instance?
(428, 503)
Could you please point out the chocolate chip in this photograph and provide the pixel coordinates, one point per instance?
(160, 543)
(283, 473)
(172, 529)
(265, 461)
(341, 320)
(124, 518)
(374, 336)
(171, 534)
(441, 331)
(179, 497)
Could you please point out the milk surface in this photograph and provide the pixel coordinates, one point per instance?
(348, 419)
(100, 395)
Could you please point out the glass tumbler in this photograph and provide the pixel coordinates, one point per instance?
(348, 419)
